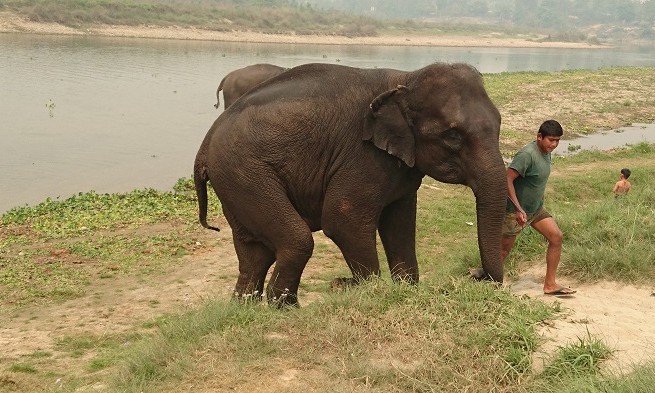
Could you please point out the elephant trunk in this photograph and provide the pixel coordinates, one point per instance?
(491, 197)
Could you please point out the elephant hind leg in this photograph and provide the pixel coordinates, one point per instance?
(291, 246)
(268, 229)
(293, 251)
(255, 259)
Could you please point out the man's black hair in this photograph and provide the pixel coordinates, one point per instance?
(625, 172)
(550, 128)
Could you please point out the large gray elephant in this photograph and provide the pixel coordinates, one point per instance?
(344, 150)
(238, 82)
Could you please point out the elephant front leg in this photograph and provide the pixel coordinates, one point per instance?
(355, 237)
(397, 227)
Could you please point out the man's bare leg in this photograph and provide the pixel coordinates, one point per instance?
(549, 229)
(506, 245)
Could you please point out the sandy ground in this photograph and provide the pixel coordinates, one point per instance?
(11, 23)
(619, 315)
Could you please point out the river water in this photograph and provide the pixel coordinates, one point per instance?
(116, 114)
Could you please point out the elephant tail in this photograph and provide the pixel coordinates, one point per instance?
(218, 91)
(200, 180)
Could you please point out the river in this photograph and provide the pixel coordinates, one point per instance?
(117, 114)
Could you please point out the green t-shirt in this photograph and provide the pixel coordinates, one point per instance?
(534, 168)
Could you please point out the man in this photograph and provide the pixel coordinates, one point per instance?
(527, 176)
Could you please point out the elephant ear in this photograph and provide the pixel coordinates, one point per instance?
(388, 126)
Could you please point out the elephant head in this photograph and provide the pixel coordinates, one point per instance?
(443, 123)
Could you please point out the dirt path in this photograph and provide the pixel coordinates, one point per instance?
(620, 315)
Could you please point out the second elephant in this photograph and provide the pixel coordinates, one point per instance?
(238, 82)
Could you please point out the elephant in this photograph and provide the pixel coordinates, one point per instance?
(344, 150)
(238, 82)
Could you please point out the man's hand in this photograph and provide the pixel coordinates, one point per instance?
(521, 217)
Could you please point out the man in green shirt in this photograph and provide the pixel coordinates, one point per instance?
(527, 176)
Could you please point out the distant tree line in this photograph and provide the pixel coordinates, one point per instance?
(573, 20)
(534, 13)
(562, 20)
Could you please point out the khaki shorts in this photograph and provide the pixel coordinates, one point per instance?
(512, 228)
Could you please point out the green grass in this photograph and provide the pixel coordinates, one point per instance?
(88, 212)
(371, 329)
(55, 249)
(580, 358)
(23, 368)
(212, 15)
(642, 379)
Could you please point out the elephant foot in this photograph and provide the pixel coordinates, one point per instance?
(245, 298)
(479, 274)
(405, 278)
(285, 299)
(342, 282)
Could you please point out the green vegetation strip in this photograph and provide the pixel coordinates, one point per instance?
(54, 250)
(266, 17)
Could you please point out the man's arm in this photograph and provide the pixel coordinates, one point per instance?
(521, 216)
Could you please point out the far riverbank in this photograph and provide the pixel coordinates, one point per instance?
(12, 23)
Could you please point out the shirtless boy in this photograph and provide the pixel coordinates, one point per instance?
(622, 186)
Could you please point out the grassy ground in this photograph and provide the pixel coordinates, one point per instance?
(583, 101)
(446, 334)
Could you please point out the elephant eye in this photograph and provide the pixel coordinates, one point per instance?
(452, 139)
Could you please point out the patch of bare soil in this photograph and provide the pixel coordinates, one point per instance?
(619, 315)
